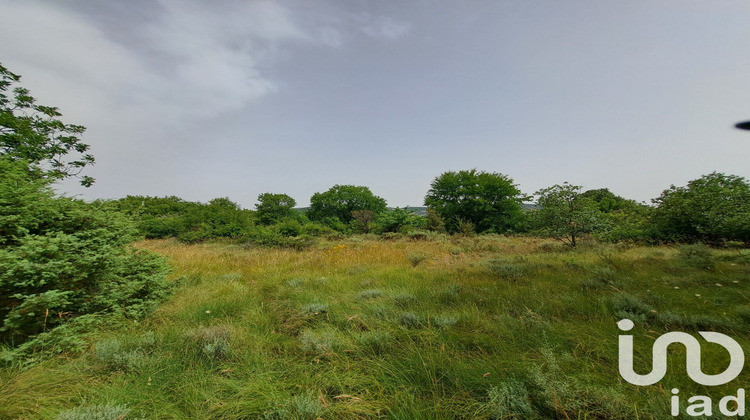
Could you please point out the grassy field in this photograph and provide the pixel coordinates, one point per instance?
(483, 327)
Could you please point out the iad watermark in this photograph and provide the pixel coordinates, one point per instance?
(700, 405)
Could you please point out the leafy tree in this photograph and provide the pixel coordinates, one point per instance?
(489, 201)
(33, 133)
(623, 219)
(272, 208)
(221, 217)
(341, 200)
(565, 213)
(399, 219)
(361, 220)
(606, 200)
(713, 208)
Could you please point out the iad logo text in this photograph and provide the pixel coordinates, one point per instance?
(700, 405)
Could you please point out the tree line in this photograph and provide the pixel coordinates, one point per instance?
(714, 209)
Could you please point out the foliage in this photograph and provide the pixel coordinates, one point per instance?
(713, 208)
(399, 220)
(564, 214)
(434, 222)
(272, 208)
(361, 219)
(341, 200)
(96, 412)
(490, 201)
(61, 258)
(33, 133)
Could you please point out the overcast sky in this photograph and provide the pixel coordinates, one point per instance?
(205, 99)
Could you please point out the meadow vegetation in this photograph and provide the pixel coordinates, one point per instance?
(480, 308)
(487, 326)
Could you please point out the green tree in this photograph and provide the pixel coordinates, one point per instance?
(564, 213)
(62, 258)
(33, 133)
(713, 208)
(489, 201)
(341, 200)
(399, 219)
(272, 208)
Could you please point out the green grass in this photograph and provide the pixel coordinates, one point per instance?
(484, 327)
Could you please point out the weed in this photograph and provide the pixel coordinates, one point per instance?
(410, 320)
(628, 306)
(444, 321)
(211, 342)
(369, 294)
(376, 342)
(299, 407)
(315, 308)
(96, 412)
(403, 300)
(118, 356)
(697, 256)
(509, 400)
(295, 282)
(415, 258)
(319, 342)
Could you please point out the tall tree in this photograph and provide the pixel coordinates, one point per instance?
(712, 208)
(33, 133)
(489, 201)
(272, 208)
(564, 213)
(341, 200)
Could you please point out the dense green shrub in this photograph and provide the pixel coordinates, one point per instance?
(61, 258)
(399, 220)
(713, 209)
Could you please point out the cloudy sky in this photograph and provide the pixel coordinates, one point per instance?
(205, 99)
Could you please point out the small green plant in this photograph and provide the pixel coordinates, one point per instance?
(319, 342)
(415, 258)
(295, 282)
(97, 412)
(444, 321)
(211, 342)
(299, 407)
(404, 299)
(509, 400)
(117, 355)
(377, 342)
(369, 294)
(697, 256)
(628, 306)
(410, 320)
(315, 308)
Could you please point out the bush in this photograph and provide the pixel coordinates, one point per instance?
(509, 400)
(211, 342)
(630, 307)
(61, 258)
(415, 258)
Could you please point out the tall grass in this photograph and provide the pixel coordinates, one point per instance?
(480, 327)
